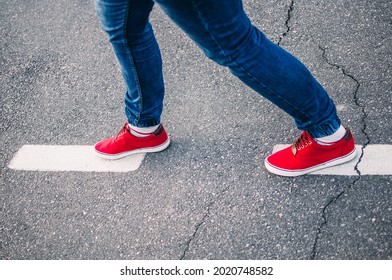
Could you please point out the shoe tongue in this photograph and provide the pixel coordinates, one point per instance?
(293, 149)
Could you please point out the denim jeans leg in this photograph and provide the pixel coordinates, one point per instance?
(225, 34)
(136, 49)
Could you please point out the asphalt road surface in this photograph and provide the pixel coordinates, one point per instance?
(208, 196)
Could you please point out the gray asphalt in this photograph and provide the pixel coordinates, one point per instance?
(208, 196)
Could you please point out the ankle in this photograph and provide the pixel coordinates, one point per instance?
(142, 131)
(333, 138)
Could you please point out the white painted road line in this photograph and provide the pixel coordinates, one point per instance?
(376, 160)
(70, 158)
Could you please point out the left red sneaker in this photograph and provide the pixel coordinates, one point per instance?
(125, 144)
(306, 155)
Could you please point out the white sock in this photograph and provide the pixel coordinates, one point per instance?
(331, 139)
(142, 131)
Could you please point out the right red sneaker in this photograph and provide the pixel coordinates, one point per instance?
(306, 155)
(125, 144)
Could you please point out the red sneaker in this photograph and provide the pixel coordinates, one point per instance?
(125, 144)
(306, 156)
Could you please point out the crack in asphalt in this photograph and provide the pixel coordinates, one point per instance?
(344, 191)
(188, 243)
(364, 145)
(287, 23)
(202, 221)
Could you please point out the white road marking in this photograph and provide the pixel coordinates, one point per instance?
(70, 158)
(376, 160)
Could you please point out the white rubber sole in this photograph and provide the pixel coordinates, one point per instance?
(138, 151)
(293, 173)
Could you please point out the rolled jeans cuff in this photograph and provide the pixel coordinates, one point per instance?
(324, 129)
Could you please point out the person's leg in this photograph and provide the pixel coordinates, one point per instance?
(134, 44)
(136, 49)
(225, 34)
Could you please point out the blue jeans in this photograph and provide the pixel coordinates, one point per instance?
(225, 34)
